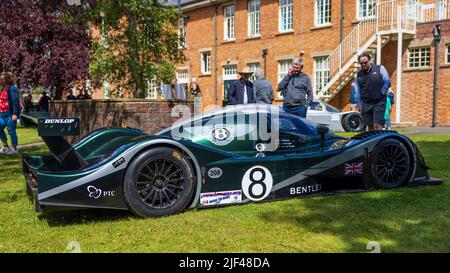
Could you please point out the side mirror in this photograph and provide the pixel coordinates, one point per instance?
(322, 129)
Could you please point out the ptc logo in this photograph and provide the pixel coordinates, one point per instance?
(94, 192)
(97, 193)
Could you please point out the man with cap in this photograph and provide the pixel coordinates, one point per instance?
(241, 91)
(296, 89)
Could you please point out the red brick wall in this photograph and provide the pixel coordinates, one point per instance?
(200, 34)
(417, 90)
(417, 86)
(149, 116)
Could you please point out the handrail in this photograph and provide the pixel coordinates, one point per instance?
(431, 11)
(385, 19)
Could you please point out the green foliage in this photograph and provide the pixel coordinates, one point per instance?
(139, 42)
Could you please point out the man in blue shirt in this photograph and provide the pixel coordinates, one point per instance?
(353, 101)
(371, 85)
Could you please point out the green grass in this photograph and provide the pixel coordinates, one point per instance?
(401, 220)
(26, 135)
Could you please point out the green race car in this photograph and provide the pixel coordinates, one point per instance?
(236, 155)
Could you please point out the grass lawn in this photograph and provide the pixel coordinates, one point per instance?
(26, 135)
(401, 220)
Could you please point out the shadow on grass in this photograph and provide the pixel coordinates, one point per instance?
(409, 219)
(83, 216)
(393, 220)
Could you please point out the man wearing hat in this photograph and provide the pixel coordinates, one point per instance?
(296, 89)
(241, 91)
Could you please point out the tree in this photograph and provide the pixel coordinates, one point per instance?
(140, 42)
(39, 47)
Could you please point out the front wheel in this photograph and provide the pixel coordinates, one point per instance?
(353, 123)
(391, 164)
(158, 182)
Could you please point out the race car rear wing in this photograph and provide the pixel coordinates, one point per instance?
(52, 131)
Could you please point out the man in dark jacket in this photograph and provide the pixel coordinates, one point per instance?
(296, 89)
(44, 102)
(9, 113)
(372, 83)
(241, 91)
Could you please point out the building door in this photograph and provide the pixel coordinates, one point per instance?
(229, 76)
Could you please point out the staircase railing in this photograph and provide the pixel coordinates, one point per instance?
(385, 20)
(437, 10)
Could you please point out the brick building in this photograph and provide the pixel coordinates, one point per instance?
(220, 37)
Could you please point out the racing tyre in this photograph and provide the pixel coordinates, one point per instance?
(158, 182)
(391, 164)
(353, 123)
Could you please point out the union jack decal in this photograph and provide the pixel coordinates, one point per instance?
(354, 168)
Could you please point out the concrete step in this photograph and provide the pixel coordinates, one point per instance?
(403, 124)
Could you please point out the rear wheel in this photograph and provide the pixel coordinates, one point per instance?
(159, 182)
(391, 164)
(353, 122)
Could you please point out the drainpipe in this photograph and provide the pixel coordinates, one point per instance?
(265, 62)
(341, 26)
(215, 51)
(437, 40)
(341, 38)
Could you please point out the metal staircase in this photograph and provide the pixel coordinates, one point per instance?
(370, 35)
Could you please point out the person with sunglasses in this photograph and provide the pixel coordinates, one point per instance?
(371, 85)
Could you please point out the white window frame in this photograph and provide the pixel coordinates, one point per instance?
(254, 67)
(422, 57)
(152, 89)
(322, 12)
(368, 5)
(205, 64)
(285, 15)
(254, 18)
(181, 33)
(321, 72)
(283, 68)
(229, 23)
(182, 76)
(229, 72)
(447, 55)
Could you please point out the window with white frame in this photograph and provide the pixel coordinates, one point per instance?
(181, 33)
(183, 79)
(366, 8)
(321, 72)
(419, 57)
(253, 18)
(447, 56)
(152, 89)
(228, 23)
(254, 67)
(229, 75)
(322, 12)
(230, 72)
(205, 62)
(183, 76)
(283, 68)
(441, 10)
(285, 15)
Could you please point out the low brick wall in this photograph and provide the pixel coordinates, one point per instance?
(150, 116)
